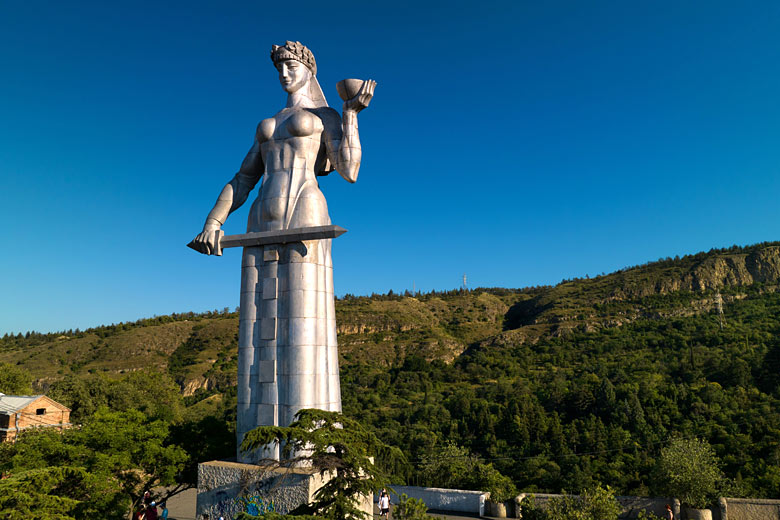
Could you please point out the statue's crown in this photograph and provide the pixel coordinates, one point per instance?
(294, 51)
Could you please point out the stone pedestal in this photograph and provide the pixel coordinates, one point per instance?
(698, 514)
(226, 488)
(497, 509)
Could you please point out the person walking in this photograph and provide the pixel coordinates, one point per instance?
(151, 511)
(384, 504)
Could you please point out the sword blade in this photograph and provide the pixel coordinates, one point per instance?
(283, 236)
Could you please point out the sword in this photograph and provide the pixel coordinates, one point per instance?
(263, 238)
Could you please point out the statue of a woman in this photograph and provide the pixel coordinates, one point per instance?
(287, 353)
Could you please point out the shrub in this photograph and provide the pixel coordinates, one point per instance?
(500, 487)
(530, 511)
(411, 509)
(595, 503)
(688, 469)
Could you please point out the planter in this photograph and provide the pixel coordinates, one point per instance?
(698, 514)
(497, 509)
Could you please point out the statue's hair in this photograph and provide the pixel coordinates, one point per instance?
(294, 51)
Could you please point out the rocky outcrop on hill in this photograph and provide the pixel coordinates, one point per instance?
(710, 273)
(193, 385)
(371, 328)
(627, 293)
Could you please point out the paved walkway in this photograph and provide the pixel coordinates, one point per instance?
(182, 506)
(437, 514)
(451, 516)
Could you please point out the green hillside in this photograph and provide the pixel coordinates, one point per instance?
(558, 387)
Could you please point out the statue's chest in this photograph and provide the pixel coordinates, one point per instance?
(296, 123)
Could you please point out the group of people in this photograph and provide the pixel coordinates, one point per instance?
(149, 509)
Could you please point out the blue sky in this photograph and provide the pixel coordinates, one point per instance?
(516, 142)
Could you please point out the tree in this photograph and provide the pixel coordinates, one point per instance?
(57, 493)
(335, 445)
(449, 466)
(83, 395)
(688, 469)
(153, 393)
(115, 455)
(455, 467)
(203, 438)
(132, 448)
(15, 380)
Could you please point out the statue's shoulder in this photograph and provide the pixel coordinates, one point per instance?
(328, 113)
(329, 117)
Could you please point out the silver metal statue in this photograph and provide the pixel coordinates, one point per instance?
(287, 353)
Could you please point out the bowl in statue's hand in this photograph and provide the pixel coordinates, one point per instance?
(348, 88)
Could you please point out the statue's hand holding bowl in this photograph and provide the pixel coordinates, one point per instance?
(356, 93)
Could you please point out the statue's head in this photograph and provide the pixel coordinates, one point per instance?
(295, 64)
(294, 51)
(298, 71)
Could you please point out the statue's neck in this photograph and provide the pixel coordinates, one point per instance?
(300, 98)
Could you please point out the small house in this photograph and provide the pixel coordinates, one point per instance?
(22, 412)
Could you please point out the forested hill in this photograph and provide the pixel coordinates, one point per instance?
(558, 386)
(385, 328)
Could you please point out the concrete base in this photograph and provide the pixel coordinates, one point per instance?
(698, 514)
(226, 488)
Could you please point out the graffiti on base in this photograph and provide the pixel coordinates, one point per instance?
(253, 504)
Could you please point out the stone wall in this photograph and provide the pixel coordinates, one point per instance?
(726, 509)
(630, 505)
(444, 499)
(226, 488)
(752, 509)
(474, 502)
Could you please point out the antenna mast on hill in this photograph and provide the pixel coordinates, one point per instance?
(465, 286)
(719, 305)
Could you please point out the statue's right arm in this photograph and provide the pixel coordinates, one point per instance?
(233, 195)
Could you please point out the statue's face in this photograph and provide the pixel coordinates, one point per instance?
(293, 75)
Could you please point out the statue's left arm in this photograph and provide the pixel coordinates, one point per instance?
(233, 195)
(342, 140)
